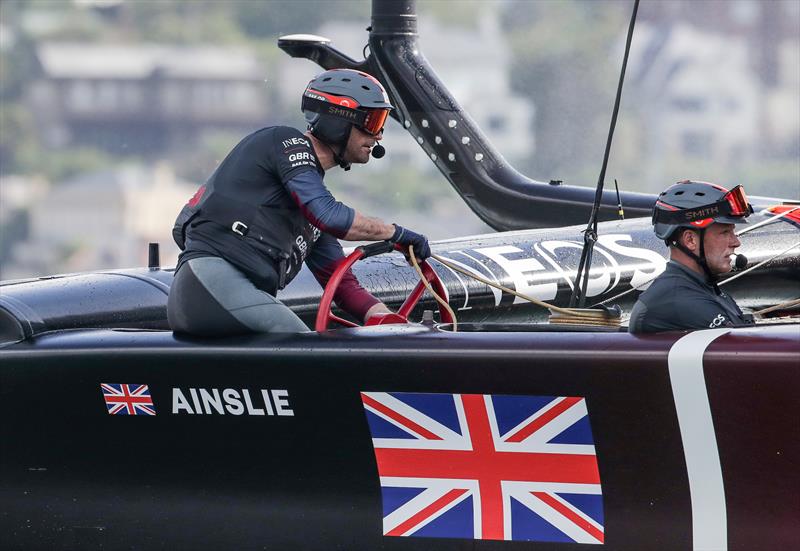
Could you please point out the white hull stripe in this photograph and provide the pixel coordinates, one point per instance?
(709, 518)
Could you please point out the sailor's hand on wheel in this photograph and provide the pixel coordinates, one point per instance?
(406, 237)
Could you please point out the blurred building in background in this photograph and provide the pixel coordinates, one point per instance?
(100, 220)
(683, 112)
(144, 98)
(718, 83)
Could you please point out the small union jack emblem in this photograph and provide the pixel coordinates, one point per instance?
(122, 399)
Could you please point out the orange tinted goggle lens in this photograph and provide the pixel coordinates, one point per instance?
(737, 199)
(376, 118)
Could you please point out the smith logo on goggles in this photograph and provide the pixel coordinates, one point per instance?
(369, 120)
(733, 204)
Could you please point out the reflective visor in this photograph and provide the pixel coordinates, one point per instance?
(737, 200)
(376, 119)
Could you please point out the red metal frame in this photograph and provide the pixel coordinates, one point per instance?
(413, 298)
(325, 315)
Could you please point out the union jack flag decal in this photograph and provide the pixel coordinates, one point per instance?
(125, 399)
(484, 466)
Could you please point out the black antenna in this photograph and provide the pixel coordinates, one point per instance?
(153, 257)
(620, 210)
(590, 233)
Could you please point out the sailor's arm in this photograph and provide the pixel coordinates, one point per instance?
(365, 228)
(372, 229)
(333, 217)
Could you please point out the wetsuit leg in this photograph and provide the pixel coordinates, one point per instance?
(210, 297)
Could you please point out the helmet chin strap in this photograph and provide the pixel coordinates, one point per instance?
(337, 156)
(701, 260)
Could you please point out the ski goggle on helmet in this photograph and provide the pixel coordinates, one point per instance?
(692, 204)
(349, 95)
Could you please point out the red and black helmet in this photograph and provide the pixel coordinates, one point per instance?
(697, 205)
(337, 99)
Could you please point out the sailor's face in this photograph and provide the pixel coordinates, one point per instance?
(720, 242)
(360, 144)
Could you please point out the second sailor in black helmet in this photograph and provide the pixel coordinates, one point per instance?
(697, 222)
(265, 211)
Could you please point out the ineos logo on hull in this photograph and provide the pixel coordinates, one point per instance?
(541, 269)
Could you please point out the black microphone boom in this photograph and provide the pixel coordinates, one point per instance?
(378, 151)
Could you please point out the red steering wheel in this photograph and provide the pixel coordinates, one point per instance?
(325, 315)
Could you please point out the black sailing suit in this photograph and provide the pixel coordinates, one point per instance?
(681, 298)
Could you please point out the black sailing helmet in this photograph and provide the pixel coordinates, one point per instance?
(696, 205)
(337, 99)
